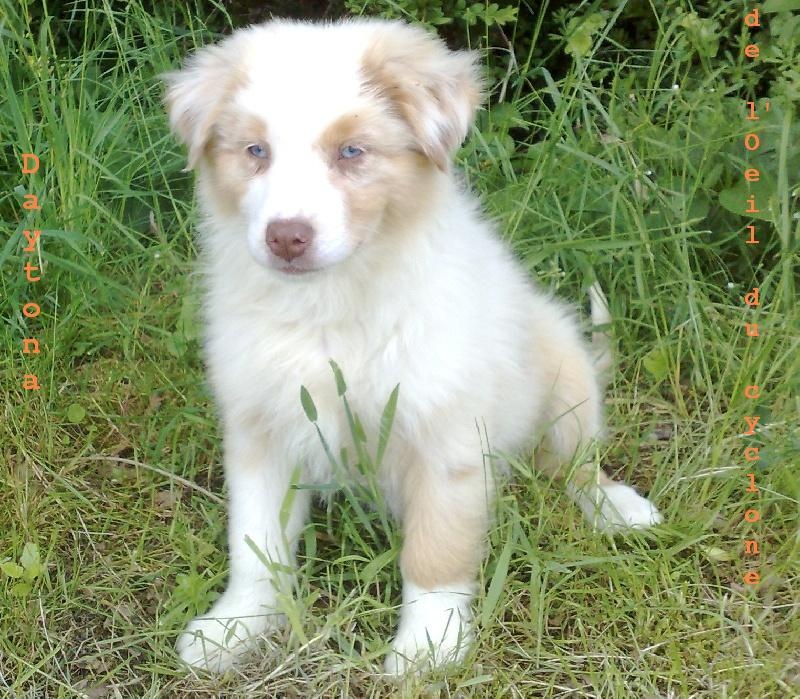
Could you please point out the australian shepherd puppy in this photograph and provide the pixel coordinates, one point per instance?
(333, 227)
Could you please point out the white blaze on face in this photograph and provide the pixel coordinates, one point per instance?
(297, 105)
(297, 185)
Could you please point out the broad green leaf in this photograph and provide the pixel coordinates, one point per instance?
(30, 555)
(341, 386)
(11, 569)
(33, 571)
(76, 413)
(735, 198)
(656, 361)
(780, 6)
(308, 405)
(21, 589)
(714, 553)
(387, 419)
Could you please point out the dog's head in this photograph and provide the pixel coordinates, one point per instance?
(316, 137)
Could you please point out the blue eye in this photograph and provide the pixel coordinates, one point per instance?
(258, 151)
(349, 152)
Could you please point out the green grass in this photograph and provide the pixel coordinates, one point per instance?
(111, 512)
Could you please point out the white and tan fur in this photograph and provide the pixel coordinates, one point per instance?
(403, 282)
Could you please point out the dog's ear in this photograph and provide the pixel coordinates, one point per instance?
(195, 94)
(434, 89)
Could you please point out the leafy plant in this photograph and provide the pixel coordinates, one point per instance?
(26, 572)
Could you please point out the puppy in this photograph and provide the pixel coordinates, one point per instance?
(334, 228)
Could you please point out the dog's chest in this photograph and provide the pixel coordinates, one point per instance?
(257, 371)
(351, 360)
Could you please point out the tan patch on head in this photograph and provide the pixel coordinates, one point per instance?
(389, 182)
(371, 127)
(404, 186)
(197, 93)
(230, 167)
(435, 90)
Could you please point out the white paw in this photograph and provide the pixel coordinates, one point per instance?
(435, 628)
(217, 640)
(616, 507)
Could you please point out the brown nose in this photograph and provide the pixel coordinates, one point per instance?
(288, 238)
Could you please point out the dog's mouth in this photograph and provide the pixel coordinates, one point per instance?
(294, 270)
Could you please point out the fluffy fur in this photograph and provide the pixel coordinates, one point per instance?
(333, 228)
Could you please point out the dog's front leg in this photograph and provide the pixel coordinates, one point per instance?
(444, 527)
(261, 554)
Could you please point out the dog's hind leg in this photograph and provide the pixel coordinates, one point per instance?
(574, 425)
